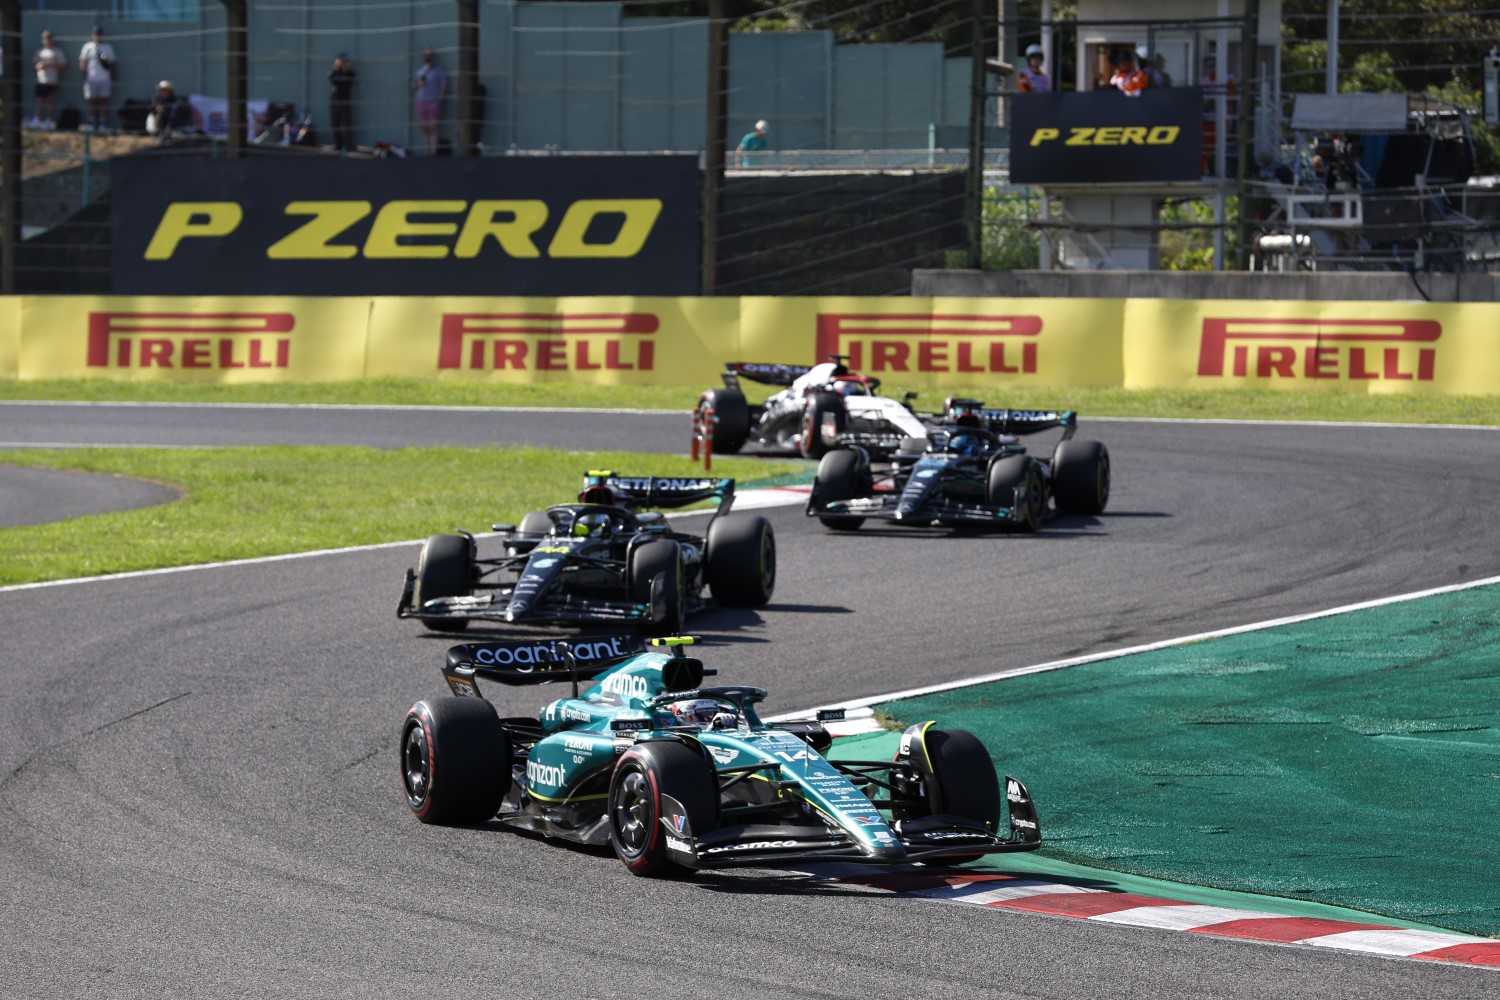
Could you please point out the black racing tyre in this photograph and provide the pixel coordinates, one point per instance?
(1080, 477)
(645, 773)
(962, 781)
(740, 566)
(646, 561)
(733, 413)
(1005, 474)
(821, 409)
(444, 569)
(842, 475)
(455, 760)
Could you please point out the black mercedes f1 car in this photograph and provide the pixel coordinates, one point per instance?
(603, 559)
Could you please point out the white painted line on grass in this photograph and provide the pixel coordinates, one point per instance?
(143, 404)
(866, 703)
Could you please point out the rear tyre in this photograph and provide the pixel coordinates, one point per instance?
(1010, 472)
(740, 567)
(646, 562)
(733, 413)
(825, 411)
(1080, 477)
(644, 774)
(962, 781)
(444, 569)
(842, 475)
(455, 760)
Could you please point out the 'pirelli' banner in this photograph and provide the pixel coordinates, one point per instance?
(1105, 137)
(193, 339)
(920, 343)
(1377, 347)
(490, 225)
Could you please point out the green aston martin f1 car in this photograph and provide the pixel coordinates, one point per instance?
(674, 774)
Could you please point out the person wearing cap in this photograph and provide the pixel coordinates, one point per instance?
(753, 142)
(50, 64)
(97, 61)
(341, 102)
(1031, 79)
(166, 112)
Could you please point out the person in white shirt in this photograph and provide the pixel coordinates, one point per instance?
(50, 64)
(97, 60)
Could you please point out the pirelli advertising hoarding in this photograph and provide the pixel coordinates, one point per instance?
(10, 336)
(241, 339)
(599, 341)
(1376, 347)
(935, 342)
(308, 225)
(1105, 137)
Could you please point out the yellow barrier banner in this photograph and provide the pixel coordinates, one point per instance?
(192, 339)
(10, 335)
(593, 340)
(1375, 347)
(938, 342)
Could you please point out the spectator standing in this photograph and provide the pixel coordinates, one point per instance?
(97, 62)
(1145, 65)
(1128, 79)
(429, 83)
(753, 142)
(50, 65)
(341, 102)
(1031, 79)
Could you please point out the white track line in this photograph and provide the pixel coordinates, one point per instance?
(860, 704)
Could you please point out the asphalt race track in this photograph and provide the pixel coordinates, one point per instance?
(198, 786)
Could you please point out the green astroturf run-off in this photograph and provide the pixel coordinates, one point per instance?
(1351, 760)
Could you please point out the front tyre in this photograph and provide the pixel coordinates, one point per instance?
(444, 569)
(960, 780)
(647, 562)
(842, 475)
(740, 567)
(1080, 477)
(455, 760)
(645, 773)
(1005, 476)
(823, 420)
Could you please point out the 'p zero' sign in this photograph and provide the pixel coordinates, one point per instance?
(485, 226)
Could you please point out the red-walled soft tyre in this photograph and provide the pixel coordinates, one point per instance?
(643, 775)
(455, 760)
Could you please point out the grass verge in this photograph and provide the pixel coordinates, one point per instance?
(1241, 404)
(239, 503)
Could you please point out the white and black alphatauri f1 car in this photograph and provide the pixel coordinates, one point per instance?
(972, 470)
(673, 774)
(819, 407)
(603, 559)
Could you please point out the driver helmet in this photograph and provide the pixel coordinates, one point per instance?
(703, 713)
(598, 494)
(595, 525)
(1034, 50)
(962, 443)
(849, 387)
(968, 420)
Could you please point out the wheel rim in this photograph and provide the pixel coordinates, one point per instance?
(1034, 498)
(416, 765)
(633, 813)
(1101, 488)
